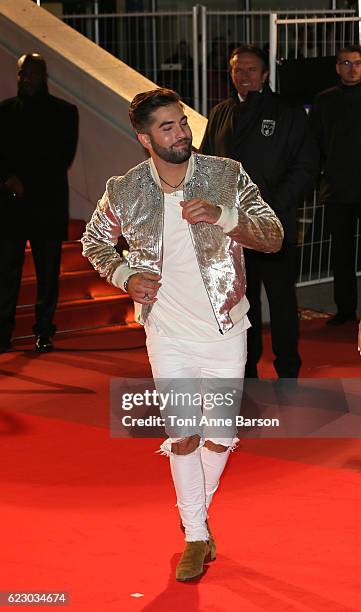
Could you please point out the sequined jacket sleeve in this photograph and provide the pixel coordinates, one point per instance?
(100, 238)
(246, 218)
(258, 226)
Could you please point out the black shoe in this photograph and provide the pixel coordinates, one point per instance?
(43, 344)
(340, 319)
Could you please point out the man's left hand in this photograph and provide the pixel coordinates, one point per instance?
(197, 210)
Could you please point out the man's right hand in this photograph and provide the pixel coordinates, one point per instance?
(143, 287)
(14, 186)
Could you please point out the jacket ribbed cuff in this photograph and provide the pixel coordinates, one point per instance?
(120, 275)
(228, 219)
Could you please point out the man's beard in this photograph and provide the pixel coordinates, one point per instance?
(173, 155)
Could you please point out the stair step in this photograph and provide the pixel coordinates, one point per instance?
(76, 229)
(115, 337)
(86, 301)
(71, 259)
(80, 314)
(73, 286)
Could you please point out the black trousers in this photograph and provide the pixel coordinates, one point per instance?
(46, 254)
(342, 220)
(277, 271)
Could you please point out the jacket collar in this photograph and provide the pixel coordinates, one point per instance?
(253, 96)
(155, 175)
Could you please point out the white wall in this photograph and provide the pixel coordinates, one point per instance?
(99, 84)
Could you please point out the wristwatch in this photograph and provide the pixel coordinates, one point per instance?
(125, 285)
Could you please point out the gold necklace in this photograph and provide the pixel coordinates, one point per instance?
(172, 186)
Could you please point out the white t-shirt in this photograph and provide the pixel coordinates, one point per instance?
(183, 308)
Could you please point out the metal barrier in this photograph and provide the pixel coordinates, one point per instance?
(314, 242)
(188, 51)
(307, 37)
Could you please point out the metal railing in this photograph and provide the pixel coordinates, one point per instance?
(188, 50)
(309, 37)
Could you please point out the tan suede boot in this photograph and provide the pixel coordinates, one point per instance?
(211, 541)
(191, 563)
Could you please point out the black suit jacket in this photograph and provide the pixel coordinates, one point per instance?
(38, 144)
(336, 121)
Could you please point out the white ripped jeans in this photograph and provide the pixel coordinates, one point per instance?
(196, 475)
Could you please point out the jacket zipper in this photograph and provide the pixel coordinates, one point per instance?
(207, 292)
(148, 306)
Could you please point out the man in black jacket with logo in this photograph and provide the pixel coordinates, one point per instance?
(336, 120)
(38, 141)
(272, 140)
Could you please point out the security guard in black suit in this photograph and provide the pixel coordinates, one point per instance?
(273, 141)
(39, 135)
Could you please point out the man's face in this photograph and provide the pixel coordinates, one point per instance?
(247, 73)
(169, 136)
(31, 78)
(348, 68)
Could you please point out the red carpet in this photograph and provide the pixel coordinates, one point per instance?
(95, 516)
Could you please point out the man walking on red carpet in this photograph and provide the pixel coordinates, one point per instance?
(186, 218)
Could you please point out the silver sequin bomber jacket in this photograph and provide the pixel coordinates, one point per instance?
(133, 205)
